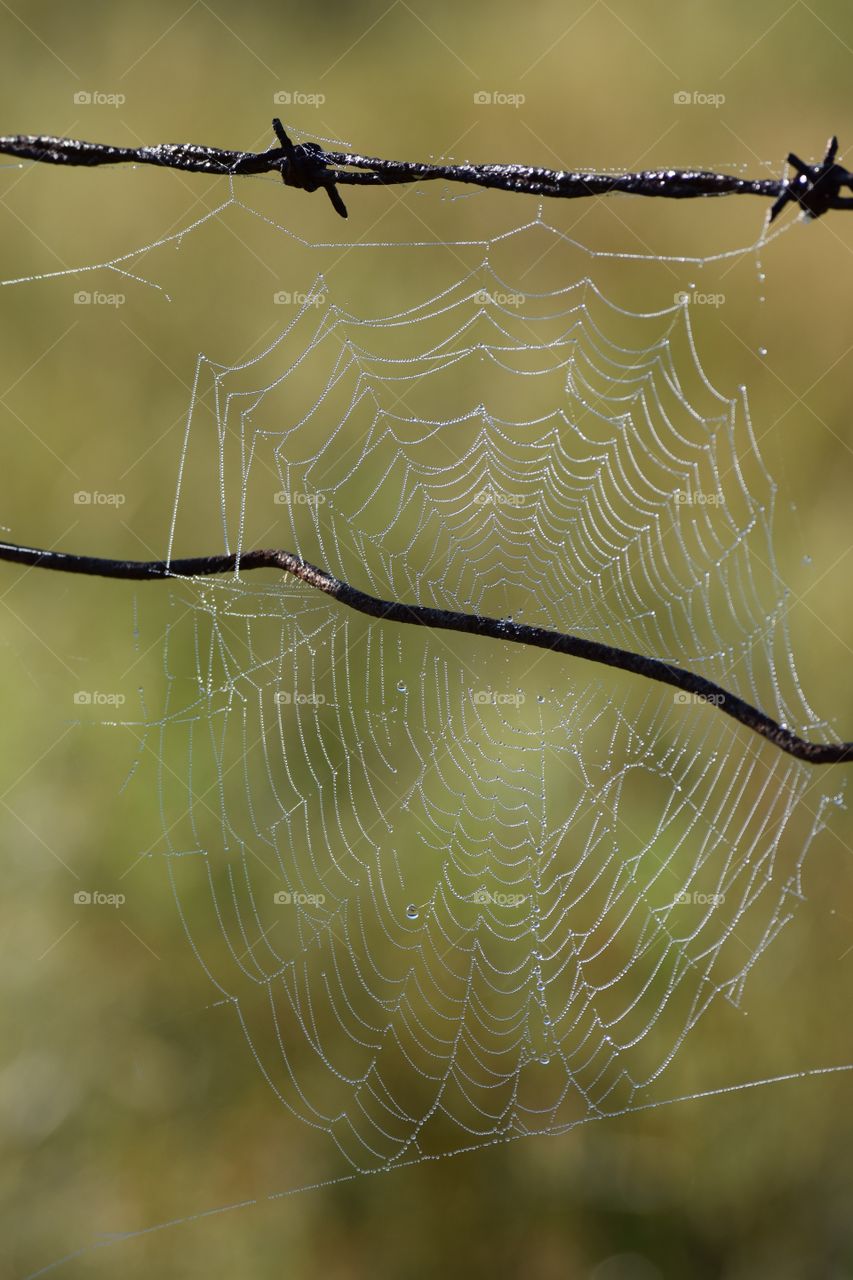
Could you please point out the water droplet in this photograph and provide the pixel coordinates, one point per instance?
(540, 985)
(807, 559)
(412, 911)
(401, 688)
(544, 1059)
(540, 849)
(540, 697)
(762, 351)
(547, 1021)
(762, 275)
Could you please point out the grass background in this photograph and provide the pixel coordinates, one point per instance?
(123, 1101)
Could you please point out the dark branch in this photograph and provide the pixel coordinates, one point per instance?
(445, 620)
(816, 188)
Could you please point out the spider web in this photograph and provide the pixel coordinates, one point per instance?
(454, 892)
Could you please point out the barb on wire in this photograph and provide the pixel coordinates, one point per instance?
(445, 620)
(816, 188)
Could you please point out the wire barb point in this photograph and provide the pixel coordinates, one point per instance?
(817, 187)
(303, 165)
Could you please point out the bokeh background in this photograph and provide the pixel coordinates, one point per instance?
(125, 1101)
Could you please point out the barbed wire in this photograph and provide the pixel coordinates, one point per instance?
(815, 188)
(444, 620)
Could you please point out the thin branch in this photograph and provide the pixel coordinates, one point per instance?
(816, 188)
(444, 620)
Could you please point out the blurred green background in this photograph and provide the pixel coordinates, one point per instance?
(125, 1101)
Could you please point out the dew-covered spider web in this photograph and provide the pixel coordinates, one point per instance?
(455, 892)
(462, 893)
